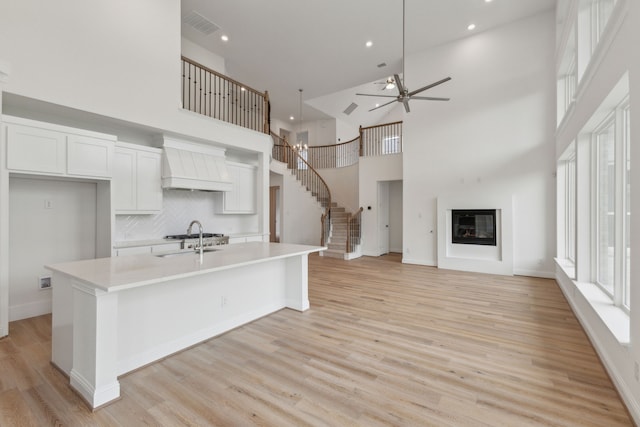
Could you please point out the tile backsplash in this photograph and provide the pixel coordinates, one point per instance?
(179, 208)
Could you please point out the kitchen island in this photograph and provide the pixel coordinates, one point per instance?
(114, 315)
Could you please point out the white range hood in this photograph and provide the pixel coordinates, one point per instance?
(192, 166)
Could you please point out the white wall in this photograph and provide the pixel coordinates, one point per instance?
(615, 56)
(203, 56)
(395, 216)
(321, 132)
(300, 212)
(343, 184)
(40, 235)
(372, 171)
(495, 135)
(345, 131)
(124, 65)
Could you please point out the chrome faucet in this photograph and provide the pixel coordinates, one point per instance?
(200, 243)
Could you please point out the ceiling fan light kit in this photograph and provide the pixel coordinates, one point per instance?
(404, 95)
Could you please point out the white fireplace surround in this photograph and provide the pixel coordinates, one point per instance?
(477, 258)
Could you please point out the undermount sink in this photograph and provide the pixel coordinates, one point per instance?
(172, 254)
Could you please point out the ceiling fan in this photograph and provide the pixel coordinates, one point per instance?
(404, 95)
(388, 84)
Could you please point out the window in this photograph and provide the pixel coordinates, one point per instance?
(600, 13)
(567, 78)
(605, 209)
(594, 209)
(626, 126)
(391, 145)
(612, 243)
(569, 169)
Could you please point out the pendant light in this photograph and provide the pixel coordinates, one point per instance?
(300, 146)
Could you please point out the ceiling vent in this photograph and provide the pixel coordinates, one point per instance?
(350, 108)
(200, 23)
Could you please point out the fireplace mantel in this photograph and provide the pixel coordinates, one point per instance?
(496, 259)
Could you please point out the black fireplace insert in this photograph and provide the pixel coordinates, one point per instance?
(473, 226)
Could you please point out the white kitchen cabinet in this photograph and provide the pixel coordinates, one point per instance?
(137, 181)
(46, 149)
(242, 197)
(31, 149)
(88, 156)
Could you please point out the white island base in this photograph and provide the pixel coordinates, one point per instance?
(114, 315)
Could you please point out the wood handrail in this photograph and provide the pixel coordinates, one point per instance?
(334, 145)
(348, 248)
(222, 76)
(212, 94)
(382, 125)
(302, 158)
(326, 216)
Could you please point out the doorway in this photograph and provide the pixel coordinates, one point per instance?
(389, 219)
(274, 214)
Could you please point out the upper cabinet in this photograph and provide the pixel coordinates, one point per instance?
(242, 197)
(47, 149)
(137, 181)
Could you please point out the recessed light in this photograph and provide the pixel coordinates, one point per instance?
(224, 38)
(369, 43)
(488, 1)
(291, 118)
(471, 27)
(377, 105)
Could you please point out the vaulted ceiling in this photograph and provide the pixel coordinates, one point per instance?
(319, 46)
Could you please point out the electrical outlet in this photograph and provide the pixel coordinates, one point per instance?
(223, 301)
(44, 282)
(636, 371)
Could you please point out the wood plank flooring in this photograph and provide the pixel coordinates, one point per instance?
(383, 344)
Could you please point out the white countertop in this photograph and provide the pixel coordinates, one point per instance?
(152, 242)
(124, 272)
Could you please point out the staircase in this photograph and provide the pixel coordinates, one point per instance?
(337, 241)
(338, 231)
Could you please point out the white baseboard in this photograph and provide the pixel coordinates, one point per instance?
(535, 273)
(32, 309)
(427, 263)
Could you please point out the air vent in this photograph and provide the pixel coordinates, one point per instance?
(382, 64)
(200, 23)
(350, 108)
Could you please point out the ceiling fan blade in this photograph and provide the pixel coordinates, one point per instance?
(384, 105)
(379, 96)
(399, 84)
(429, 98)
(439, 82)
(405, 101)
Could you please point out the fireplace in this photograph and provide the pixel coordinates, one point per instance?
(473, 226)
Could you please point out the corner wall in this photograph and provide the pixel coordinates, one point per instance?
(372, 171)
(495, 136)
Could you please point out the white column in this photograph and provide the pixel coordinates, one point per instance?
(297, 286)
(4, 215)
(95, 345)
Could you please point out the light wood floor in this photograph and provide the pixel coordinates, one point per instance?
(383, 344)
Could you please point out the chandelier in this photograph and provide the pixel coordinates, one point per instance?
(299, 146)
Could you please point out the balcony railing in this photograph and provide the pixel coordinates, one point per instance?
(212, 94)
(376, 140)
(381, 139)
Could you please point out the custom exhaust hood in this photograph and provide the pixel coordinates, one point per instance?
(191, 166)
